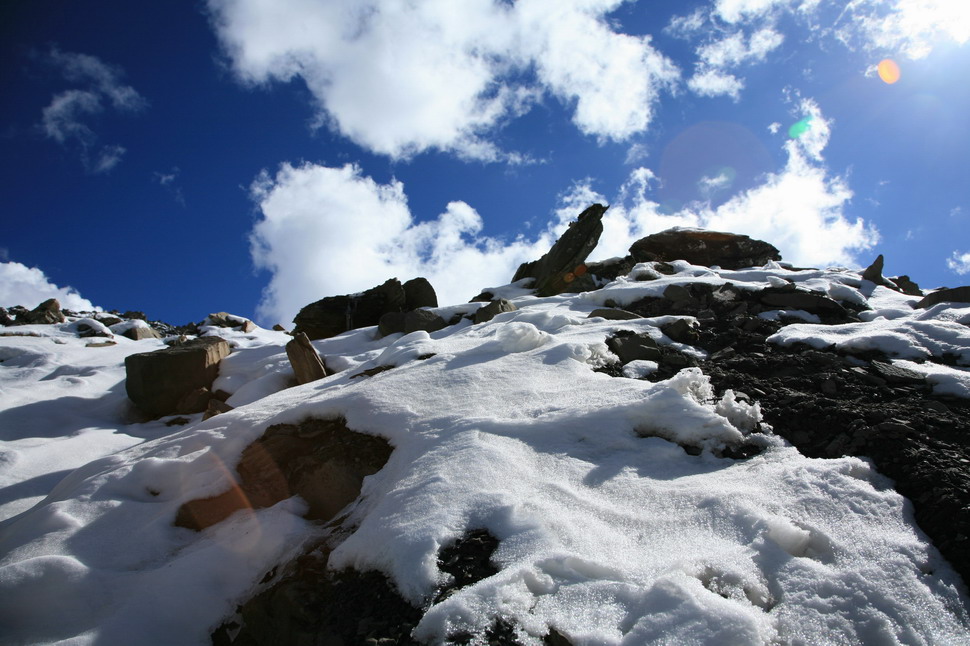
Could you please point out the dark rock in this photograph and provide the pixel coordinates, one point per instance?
(613, 314)
(681, 331)
(491, 310)
(906, 286)
(391, 323)
(564, 263)
(873, 272)
(158, 381)
(5, 318)
(677, 293)
(955, 295)
(897, 375)
(426, 320)
(278, 328)
(468, 560)
(47, 313)
(727, 250)
(611, 269)
(630, 346)
(337, 314)
(322, 461)
(306, 362)
(86, 330)
(178, 421)
(134, 314)
(108, 320)
(194, 401)
(418, 292)
(781, 297)
(216, 407)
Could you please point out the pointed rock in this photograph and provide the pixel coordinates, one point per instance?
(873, 272)
(46, 313)
(306, 362)
(564, 263)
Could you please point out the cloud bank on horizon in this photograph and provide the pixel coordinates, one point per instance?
(29, 287)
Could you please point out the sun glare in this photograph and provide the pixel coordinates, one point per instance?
(888, 71)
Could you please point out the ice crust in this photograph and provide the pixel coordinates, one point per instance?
(610, 531)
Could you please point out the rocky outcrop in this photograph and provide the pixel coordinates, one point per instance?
(306, 362)
(224, 319)
(955, 295)
(563, 268)
(46, 313)
(873, 273)
(631, 346)
(698, 247)
(337, 314)
(175, 380)
(322, 461)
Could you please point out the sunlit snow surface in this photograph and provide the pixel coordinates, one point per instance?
(607, 536)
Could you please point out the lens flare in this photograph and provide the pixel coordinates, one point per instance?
(800, 127)
(888, 71)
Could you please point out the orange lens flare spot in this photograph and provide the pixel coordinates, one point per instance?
(579, 271)
(569, 277)
(888, 71)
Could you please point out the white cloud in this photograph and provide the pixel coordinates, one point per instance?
(28, 286)
(64, 118)
(911, 27)
(799, 209)
(959, 262)
(774, 128)
(400, 78)
(327, 231)
(169, 181)
(714, 83)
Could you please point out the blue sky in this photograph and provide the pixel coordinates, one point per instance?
(253, 156)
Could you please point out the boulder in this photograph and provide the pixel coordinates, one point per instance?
(141, 333)
(699, 247)
(337, 314)
(787, 298)
(418, 292)
(491, 310)
(630, 346)
(425, 320)
(322, 461)
(225, 319)
(391, 323)
(46, 313)
(955, 295)
(564, 263)
(216, 407)
(175, 379)
(306, 362)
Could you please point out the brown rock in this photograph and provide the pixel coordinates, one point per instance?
(141, 333)
(224, 319)
(306, 362)
(488, 312)
(46, 313)
(565, 262)
(727, 250)
(322, 461)
(216, 407)
(613, 314)
(157, 382)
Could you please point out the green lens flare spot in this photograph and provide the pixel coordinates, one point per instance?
(800, 127)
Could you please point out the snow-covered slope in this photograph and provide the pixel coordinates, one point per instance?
(610, 532)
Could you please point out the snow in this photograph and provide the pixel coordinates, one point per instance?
(611, 532)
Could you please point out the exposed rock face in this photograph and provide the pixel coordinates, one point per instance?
(629, 346)
(322, 461)
(306, 362)
(727, 250)
(955, 295)
(140, 333)
(176, 379)
(46, 313)
(555, 272)
(337, 314)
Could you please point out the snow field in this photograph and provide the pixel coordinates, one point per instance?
(610, 531)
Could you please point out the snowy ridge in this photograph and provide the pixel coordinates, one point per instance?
(610, 531)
